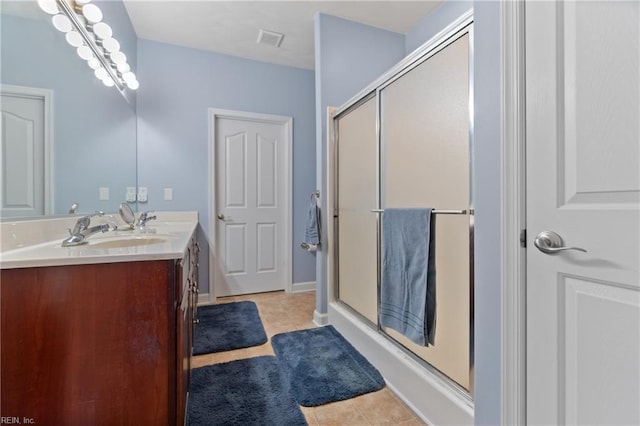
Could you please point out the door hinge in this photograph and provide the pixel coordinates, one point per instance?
(523, 238)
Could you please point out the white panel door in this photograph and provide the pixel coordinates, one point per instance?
(250, 206)
(22, 177)
(583, 182)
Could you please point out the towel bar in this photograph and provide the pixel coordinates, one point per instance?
(432, 211)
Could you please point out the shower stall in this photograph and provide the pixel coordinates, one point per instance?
(404, 142)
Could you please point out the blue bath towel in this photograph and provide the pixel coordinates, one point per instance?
(407, 288)
(312, 229)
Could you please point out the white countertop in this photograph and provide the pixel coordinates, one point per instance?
(28, 244)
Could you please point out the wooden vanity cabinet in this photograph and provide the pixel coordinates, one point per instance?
(98, 344)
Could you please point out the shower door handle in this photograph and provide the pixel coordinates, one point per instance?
(550, 242)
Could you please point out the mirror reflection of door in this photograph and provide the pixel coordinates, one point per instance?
(24, 151)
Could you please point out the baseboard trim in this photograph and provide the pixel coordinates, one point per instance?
(205, 299)
(303, 287)
(320, 319)
(425, 393)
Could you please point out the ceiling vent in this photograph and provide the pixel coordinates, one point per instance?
(270, 38)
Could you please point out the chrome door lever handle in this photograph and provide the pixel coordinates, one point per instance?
(551, 243)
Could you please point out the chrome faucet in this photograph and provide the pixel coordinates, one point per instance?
(143, 219)
(82, 230)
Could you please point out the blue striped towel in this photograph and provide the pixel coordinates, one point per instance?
(407, 288)
(312, 230)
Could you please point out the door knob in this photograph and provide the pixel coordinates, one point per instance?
(551, 243)
(221, 216)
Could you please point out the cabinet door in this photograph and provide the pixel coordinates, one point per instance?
(183, 337)
(195, 285)
(89, 344)
(186, 321)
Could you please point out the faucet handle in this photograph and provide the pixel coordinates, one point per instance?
(144, 218)
(81, 224)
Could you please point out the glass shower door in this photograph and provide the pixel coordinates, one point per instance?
(356, 195)
(425, 162)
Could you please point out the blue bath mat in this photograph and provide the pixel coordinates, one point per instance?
(228, 326)
(249, 391)
(323, 367)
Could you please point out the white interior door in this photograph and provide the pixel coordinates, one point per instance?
(583, 182)
(22, 154)
(251, 219)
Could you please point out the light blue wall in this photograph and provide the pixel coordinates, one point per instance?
(349, 56)
(180, 84)
(488, 221)
(437, 20)
(94, 128)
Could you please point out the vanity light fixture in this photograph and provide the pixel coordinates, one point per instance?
(81, 21)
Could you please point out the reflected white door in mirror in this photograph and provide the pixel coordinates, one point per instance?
(25, 154)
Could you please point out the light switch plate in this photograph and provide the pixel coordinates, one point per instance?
(104, 194)
(168, 194)
(131, 194)
(142, 194)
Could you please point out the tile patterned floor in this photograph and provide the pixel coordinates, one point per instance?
(281, 312)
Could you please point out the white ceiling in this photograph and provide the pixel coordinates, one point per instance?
(232, 27)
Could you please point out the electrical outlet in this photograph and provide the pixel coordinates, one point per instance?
(131, 194)
(142, 194)
(104, 194)
(168, 194)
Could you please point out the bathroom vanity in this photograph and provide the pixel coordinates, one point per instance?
(100, 333)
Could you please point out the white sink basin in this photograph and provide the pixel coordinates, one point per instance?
(130, 241)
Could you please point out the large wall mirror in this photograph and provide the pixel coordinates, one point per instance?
(68, 138)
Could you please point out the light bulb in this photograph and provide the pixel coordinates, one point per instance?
(85, 52)
(49, 6)
(108, 81)
(101, 73)
(118, 57)
(129, 76)
(74, 38)
(61, 23)
(102, 30)
(133, 85)
(92, 13)
(123, 67)
(94, 63)
(111, 45)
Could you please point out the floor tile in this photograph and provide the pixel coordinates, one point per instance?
(383, 408)
(341, 413)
